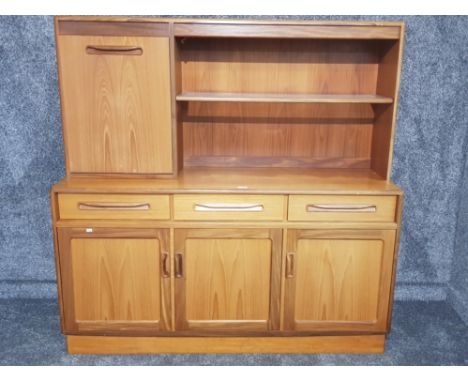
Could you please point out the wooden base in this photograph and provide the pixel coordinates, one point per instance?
(157, 345)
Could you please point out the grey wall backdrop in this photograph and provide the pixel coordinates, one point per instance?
(430, 159)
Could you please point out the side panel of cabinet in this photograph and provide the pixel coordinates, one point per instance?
(338, 280)
(116, 104)
(227, 280)
(115, 280)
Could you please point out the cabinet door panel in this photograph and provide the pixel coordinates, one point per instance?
(230, 279)
(341, 280)
(113, 280)
(116, 104)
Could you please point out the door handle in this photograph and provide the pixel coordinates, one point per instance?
(290, 265)
(164, 271)
(179, 271)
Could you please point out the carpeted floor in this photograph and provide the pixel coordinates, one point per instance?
(424, 333)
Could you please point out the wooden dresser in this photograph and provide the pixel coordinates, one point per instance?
(228, 185)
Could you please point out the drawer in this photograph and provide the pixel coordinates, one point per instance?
(228, 207)
(342, 208)
(99, 206)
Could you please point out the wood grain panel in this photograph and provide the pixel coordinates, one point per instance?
(88, 27)
(293, 31)
(292, 135)
(116, 108)
(230, 280)
(342, 208)
(279, 66)
(388, 84)
(242, 181)
(112, 282)
(282, 98)
(228, 345)
(113, 206)
(116, 279)
(341, 280)
(270, 207)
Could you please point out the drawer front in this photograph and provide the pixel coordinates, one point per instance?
(98, 206)
(342, 208)
(228, 207)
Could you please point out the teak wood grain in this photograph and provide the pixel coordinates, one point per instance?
(116, 108)
(292, 135)
(290, 31)
(282, 98)
(257, 213)
(116, 206)
(229, 279)
(342, 208)
(339, 279)
(241, 181)
(219, 207)
(112, 280)
(217, 345)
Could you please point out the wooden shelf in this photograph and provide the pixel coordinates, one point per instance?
(283, 97)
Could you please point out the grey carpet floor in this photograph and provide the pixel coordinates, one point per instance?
(424, 333)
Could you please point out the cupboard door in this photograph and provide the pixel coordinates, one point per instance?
(338, 280)
(227, 280)
(116, 104)
(115, 280)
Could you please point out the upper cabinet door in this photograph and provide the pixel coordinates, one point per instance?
(116, 103)
(338, 281)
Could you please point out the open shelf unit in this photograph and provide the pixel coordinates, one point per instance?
(311, 102)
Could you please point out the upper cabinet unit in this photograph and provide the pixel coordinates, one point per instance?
(116, 97)
(150, 97)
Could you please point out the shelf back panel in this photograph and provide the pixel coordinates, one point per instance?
(279, 135)
(279, 65)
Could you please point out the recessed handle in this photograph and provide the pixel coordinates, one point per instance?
(290, 265)
(164, 271)
(114, 49)
(341, 208)
(114, 206)
(246, 207)
(179, 271)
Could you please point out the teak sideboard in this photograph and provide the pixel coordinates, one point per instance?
(228, 185)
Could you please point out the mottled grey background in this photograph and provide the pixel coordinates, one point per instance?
(430, 160)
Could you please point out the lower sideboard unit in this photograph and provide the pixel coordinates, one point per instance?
(146, 267)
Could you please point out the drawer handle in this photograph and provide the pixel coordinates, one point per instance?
(113, 206)
(229, 207)
(110, 49)
(341, 208)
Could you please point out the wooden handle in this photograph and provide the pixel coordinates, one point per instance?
(112, 49)
(228, 207)
(113, 206)
(179, 272)
(290, 265)
(164, 271)
(341, 208)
